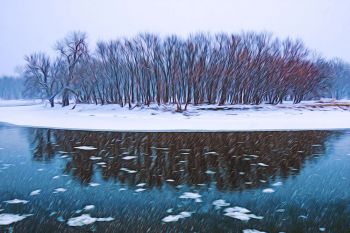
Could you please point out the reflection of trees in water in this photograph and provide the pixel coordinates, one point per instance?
(231, 160)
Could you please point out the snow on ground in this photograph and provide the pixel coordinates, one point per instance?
(304, 116)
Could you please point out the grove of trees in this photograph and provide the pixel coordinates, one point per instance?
(247, 68)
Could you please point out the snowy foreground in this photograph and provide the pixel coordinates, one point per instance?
(305, 116)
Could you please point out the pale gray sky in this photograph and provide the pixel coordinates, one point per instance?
(28, 26)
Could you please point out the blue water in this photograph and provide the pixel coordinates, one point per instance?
(312, 166)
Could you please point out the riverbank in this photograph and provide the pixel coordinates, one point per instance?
(309, 115)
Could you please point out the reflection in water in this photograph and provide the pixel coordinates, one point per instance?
(229, 160)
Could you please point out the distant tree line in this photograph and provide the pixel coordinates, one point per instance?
(11, 88)
(247, 68)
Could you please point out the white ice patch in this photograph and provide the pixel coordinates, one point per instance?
(277, 184)
(16, 201)
(93, 184)
(170, 180)
(240, 213)
(55, 177)
(140, 190)
(128, 170)
(85, 148)
(220, 203)
(7, 219)
(268, 190)
(95, 158)
(129, 157)
(175, 218)
(263, 165)
(189, 195)
(35, 192)
(252, 231)
(60, 190)
(86, 219)
(141, 185)
(89, 207)
(209, 172)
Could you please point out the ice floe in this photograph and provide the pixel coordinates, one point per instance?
(93, 184)
(240, 213)
(35, 192)
(89, 207)
(141, 185)
(140, 190)
(85, 148)
(16, 201)
(128, 170)
(190, 195)
(268, 190)
(129, 157)
(55, 177)
(175, 218)
(7, 219)
(263, 165)
(220, 203)
(277, 184)
(86, 219)
(95, 158)
(60, 190)
(252, 231)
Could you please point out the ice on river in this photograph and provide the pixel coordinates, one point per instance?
(60, 190)
(240, 213)
(35, 192)
(268, 190)
(7, 219)
(190, 195)
(220, 203)
(16, 201)
(175, 218)
(85, 148)
(86, 219)
(252, 231)
(129, 157)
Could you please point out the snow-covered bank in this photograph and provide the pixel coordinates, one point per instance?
(304, 116)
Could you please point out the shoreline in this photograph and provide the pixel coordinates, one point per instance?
(238, 118)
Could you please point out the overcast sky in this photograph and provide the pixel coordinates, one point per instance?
(28, 26)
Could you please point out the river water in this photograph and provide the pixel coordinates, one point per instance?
(79, 181)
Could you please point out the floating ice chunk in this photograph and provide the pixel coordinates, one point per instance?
(60, 190)
(238, 215)
(280, 210)
(322, 229)
(60, 219)
(101, 163)
(89, 207)
(169, 210)
(128, 170)
(171, 218)
(170, 180)
(237, 209)
(263, 165)
(16, 201)
(252, 231)
(35, 192)
(40, 169)
(129, 157)
(189, 195)
(93, 184)
(7, 219)
(277, 184)
(95, 158)
(86, 219)
(198, 200)
(140, 190)
(268, 190)
(85, 148)
(211, 153)
(122, 189)
(64, 156)
(175, 218)
(209, 172)
(141, 185)
(220, 203)
(55, 177)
